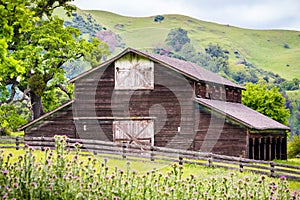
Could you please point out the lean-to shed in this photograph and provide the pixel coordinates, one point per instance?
(143, 98)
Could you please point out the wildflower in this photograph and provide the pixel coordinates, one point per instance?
(15, 185)
(77, 144)
(5, 171)
(240, 181)
(5, 196)
(282, 177)
(33, 184)
(192, 176)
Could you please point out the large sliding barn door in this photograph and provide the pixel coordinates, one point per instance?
(140, 132)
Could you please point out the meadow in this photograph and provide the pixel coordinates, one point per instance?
(272, 50)
(61, 174)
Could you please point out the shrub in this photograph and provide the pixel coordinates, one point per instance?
(294, 147)
(286, 46)
(159, 18)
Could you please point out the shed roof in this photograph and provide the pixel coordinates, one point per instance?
(242, 114)
(46, 115)
(184, 67)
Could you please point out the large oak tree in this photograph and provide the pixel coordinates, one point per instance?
(34, 45)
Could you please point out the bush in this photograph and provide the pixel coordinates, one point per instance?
(159, 18)
(294, 147)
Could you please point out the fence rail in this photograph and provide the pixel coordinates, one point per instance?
(160, 154)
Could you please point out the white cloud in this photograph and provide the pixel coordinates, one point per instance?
(256, 14)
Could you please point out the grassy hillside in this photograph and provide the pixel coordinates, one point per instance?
(273, 50)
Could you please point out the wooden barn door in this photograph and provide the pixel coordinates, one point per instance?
(140, 132)
(134, 72)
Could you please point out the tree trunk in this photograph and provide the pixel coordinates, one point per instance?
(37, 106)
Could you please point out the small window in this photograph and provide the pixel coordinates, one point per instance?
(134, 72)
(140, 132)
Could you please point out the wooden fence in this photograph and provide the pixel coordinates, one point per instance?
(160, 154)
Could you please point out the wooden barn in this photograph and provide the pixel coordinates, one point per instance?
(149, 99)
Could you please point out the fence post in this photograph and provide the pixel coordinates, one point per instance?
(42, 143)
(241, 167)
(272, 169)
(124, 151)
(180, 160)
(17, 143)
(210, 160)
(151, 154)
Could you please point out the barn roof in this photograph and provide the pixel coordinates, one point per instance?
(186, 68)
(242, 114)
(68, 103)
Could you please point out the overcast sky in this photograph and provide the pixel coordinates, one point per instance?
(254, 14)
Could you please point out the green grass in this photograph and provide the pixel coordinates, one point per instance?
(263, 48)
(142, 167)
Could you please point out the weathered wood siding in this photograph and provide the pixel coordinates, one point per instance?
(169, 104)
(60, 123)
(218, 92)
(217, 134)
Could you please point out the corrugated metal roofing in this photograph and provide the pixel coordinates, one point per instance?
(242, 114)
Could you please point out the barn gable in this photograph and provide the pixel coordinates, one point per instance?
(143, 98)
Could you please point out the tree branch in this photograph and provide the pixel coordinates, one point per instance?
(24, 96)
(13, 93)
(64, 89)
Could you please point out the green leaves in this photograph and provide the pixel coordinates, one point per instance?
(269, 102)
(34, 46)
(10, 119)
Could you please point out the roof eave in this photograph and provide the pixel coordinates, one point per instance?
(45, 115)
(238, 120)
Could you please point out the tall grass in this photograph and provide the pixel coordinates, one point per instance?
(63, 175)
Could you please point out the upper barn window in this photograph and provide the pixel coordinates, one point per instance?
(134, 72)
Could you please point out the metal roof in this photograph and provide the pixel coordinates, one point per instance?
(243, 114)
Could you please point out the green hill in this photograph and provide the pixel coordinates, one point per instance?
(277, 51)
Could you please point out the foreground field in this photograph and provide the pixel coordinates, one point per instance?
(31, 174)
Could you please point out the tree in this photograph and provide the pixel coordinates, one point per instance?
(159, 18)
(294, 147)
(269, 102)
(218, 57)
(36, 44)
(177, 38)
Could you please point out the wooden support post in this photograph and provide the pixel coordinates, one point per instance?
(253, 145)
(265, 147)
(270, 148)
(259, 144)
(247, 144)
(279, 148)
(275, 148)
(283, 148)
